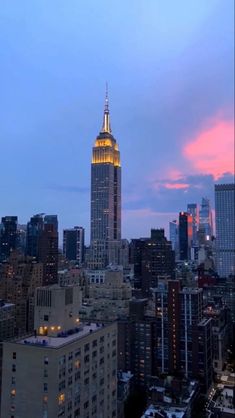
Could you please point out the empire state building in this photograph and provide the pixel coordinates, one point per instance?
(105, 197)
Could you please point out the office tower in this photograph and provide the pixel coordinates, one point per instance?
(225, 229)
(192, 209)
(34, 230)
(48, 249)
(20, 276)
(185, 235)
(158, 259)
(205, 219)
(72, 366)
(152, 258)
(137, 343)
(174, 235)
(21, 238)
(105, 197)
(73, 244)
(8, 236)
(184, 337)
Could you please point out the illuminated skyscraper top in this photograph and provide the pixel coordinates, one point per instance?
(105, 196)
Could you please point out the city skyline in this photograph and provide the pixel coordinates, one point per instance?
(51, 106)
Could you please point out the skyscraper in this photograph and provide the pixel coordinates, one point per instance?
(105, 197)
(174, 235)
(225, 228)
(73, 244)
(205, 219)
(8, 236)
(192, 208)
(185, 235)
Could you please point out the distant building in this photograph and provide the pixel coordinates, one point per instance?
(105, 197)
(72, 366)
(73, 244)
(225, 229)
(193, 210)
(42, 244)
(152, 258)
(48, 249)
(205, 219)
(174, 235)
(34, 231)
(8, 236)
(185, 235)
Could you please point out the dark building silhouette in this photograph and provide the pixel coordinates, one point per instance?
(8, 236)
(152, 258)
(34, 231)
(185, 235)
(48, 250)
(73, 244)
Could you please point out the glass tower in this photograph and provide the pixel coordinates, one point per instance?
(225, 229)
(105, 197)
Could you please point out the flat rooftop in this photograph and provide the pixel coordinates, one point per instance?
(56, 342)
(170, 412)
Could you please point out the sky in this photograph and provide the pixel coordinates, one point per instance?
(169, 67)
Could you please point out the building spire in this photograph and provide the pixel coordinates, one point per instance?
(106, 118)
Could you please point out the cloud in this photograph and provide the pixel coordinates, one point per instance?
(211, 151)
(176, 185)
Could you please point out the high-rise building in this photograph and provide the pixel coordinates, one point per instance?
(205, 219)
(34, 231)
(20, 276)
(185, 235)
(184, 338)
(105, 197)
(73, 244)
(225, 229)
(192, 209)
(72, 366)
(48, 249)
(152, 258)
(174, 235)
(8, 236)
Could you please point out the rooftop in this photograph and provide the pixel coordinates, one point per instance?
(57, 342)
(170, 412)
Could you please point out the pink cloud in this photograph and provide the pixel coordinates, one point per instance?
(212, 150)
(176, 185)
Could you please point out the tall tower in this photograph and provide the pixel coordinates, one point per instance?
(225, 227)
(105, 197)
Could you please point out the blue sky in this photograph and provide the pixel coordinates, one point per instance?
(169, 66)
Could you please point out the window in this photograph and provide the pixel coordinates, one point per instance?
(46, 317)
(45, 374)
(46, 360)
(13, 380)
(45, 387)
(14, 355)
(13, 367)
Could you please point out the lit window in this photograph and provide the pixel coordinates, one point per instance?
(61, 398)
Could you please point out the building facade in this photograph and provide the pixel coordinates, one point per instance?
(225, 229)
(73, 244)
(73, 366)
(185, 235)
(8, 236)
(105, 197)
